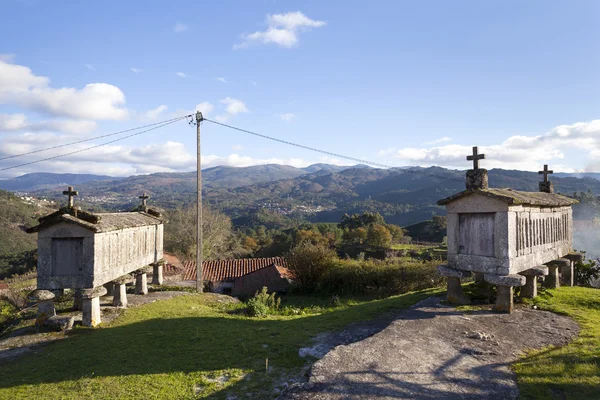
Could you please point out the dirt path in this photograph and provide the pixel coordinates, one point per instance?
(433, 351)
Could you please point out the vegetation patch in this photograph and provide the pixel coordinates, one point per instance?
(572, 371)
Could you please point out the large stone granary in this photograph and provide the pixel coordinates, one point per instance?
(84, 251)
(507, 237)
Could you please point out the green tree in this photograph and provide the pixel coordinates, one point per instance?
(379, 236)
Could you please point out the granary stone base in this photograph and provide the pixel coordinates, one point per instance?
(504, 299)
(455, 293)
(567, 275)
(157, 274)
(91, 312)
(554, 268)
(120, 296)
(46, 309)
(530, 288)
(110, 288)
(58, 292)
(77, 300)
(141, 283)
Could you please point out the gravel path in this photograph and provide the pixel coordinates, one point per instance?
(432, 351)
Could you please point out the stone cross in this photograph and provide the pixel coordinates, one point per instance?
(546, 172)
(475, 158)
(144, 197)
(70, 193)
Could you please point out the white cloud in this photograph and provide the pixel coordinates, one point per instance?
(282, 30)
(287, 117)
(152, 115)
(18, 122)
(221, 79)
(8, 58)
(517, 152)
(437, 141)
(180, 27)
(135, 70)
(20, 87)
(205, 108)
(90, 67)
(180, 74)
(234, 106)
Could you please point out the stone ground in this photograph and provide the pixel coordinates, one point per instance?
(432, 351)
(28, 338)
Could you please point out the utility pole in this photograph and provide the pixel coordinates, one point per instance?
(199, 274)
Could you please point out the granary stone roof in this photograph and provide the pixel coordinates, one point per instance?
(98, 222)
(515, 197)
(225, 270)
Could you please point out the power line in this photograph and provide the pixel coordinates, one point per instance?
(96, 146)
(93, 138)
(377, 164)
(329, 153)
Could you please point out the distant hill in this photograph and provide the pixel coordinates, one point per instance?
(230, 177)
(42, 180)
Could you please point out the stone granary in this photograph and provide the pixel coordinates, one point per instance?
(506, 237)
(83, 251)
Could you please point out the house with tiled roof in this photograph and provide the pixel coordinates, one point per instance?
(238, 277)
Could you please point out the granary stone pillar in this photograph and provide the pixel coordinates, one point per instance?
(530, 288)
(141, 282)
(91, 305)
(58, 292)
(120, 292)
(554, 268)
(110, 288)
(569, 277)
(504, 290)
(45, 300)
(455, 293)
(157, 273)
(77, 300)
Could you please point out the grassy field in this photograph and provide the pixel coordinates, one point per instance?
(186, 347)
(572, 371)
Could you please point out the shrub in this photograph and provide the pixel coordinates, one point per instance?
(587, 272)
(8, 313)
(309, 263)
(263, 304)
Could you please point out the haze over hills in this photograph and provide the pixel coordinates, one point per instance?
(41, 180)
(403, 195)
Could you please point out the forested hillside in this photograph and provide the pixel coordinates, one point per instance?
(17, 248)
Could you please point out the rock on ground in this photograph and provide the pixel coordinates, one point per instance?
(432, 351)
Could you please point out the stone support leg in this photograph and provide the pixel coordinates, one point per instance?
(479, 281)
(157, 274)
(58, 292)
(567, 274)
(141, 283)
(504, 299)
(552, 281)
(77, 306)
(530, 288)
(110, 288)
(120, 296)
(46, 309)
(455, 292)
(91, 312)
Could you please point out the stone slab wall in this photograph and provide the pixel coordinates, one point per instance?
(123, 251)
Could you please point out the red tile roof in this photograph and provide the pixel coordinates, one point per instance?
(3, 286)
(223, 270)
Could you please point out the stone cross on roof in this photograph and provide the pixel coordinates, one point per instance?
(144, 197)
(70, 193)
(475, 158)
(546, 172)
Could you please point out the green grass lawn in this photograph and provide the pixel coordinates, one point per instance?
(186, 347)
(572, 371)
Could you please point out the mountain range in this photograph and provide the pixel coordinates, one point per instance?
(320, 192)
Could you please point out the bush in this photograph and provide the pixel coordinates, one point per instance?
(263, 304)
(587, 272)
(381, 278)
(309, 263)
(8, 313)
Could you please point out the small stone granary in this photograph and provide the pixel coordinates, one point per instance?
(85, 251)
(507, 237)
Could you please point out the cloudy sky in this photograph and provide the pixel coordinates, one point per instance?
(395, 82)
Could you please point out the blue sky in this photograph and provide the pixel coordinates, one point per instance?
(395, 82)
